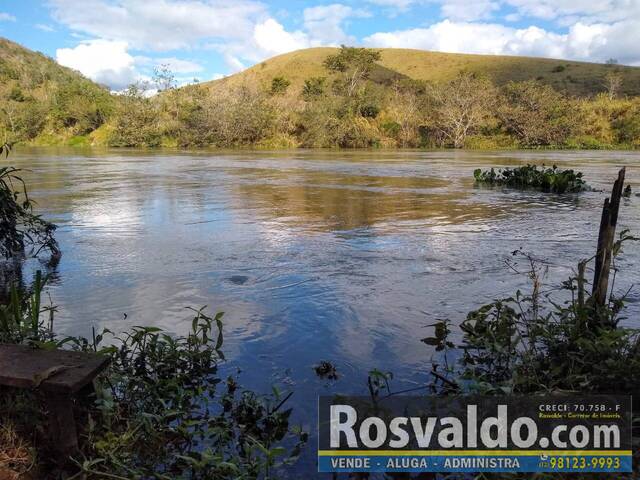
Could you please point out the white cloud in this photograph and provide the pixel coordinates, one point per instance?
(398, 4)
(179, 65)
(176, 65)
(467, 11)
(234, 62)
(567, 12)
(6, 17)
(103, 61)
(161, 24)
(588, 42)
(446, 36)
(271, 37)
(322, 26)
(324, 23)
(44, 27)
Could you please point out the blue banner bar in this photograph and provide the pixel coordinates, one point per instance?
(475, 463)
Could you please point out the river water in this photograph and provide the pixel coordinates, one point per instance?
(313, 255)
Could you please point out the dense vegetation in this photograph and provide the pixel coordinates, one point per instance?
(163, 410)
(41, 100)
(345, 98)
(548, 341)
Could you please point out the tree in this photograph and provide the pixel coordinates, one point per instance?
(459, 108)
(136, 124)
(279, 85)
(536, 114)
(405, 109)
(612, 83)
(163, 78)
(354, 65)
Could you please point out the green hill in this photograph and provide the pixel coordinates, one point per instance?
(40, 98)
(574, 78)
(295, 100)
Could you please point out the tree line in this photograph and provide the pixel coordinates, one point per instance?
(350, 106)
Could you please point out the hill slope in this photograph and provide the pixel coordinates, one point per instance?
(40, 98)
(575, 78)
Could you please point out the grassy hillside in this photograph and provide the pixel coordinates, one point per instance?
(359, 98)
(574, 78)
(41, 99)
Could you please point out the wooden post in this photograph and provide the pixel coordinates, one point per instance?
(62, 425)
(606, 238)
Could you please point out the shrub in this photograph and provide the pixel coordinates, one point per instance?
(532, 343)
(459, 108)
(536, 114)
(369, 111)
(161, 410)
(313, 88)
(627, 125)
(81, 106)
(19, 227)
(490, 142)
(279, 85)
(136, 123)
(16, 94)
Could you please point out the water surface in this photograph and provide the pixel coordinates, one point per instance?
(340, 256)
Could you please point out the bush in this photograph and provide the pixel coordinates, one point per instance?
(81, 106)
(460, 108)
(19, 227)
(627, 126)
(490, 142)
(136, 121)
(313, 88)
(369, 111)
(279, 85)
(531, 343)
(161, 410)
(536, 114)
(16, 94)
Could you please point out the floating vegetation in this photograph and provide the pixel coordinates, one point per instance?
(326, 370)
(544, 179)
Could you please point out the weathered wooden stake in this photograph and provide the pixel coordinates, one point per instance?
(606, 238)
(62, 424)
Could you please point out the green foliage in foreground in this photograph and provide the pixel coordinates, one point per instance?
(547, 341)
(19, 227)
(530, 343)
(162, 410)
(531, 176)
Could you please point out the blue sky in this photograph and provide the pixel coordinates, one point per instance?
(117, 42)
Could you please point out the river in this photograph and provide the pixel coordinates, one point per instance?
(313, 255)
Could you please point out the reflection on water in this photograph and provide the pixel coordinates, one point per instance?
(312, 255)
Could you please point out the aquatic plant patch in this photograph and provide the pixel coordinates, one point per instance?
(551, 180)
